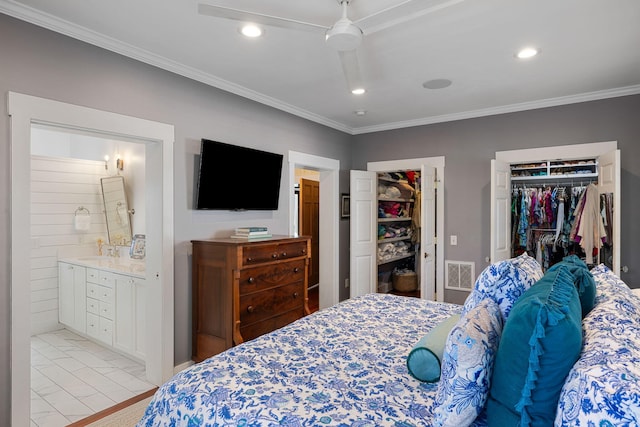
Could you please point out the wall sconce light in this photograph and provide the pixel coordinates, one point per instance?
(106, 162)
(119, 164)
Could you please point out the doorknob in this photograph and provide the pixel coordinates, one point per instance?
(426, 255)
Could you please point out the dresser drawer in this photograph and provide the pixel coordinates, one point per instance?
(272, 302)
(258, 254)
(93, 306)
(255, 330)
(106, 310)
(257, 279)
(101, 293)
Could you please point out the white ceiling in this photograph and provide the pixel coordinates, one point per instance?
(590, 49)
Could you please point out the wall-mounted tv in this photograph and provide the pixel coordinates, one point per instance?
(237, 178)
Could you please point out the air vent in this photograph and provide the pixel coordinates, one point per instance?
(459, 275)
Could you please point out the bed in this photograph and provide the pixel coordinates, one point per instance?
(347, 366)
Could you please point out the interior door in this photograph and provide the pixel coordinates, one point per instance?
(609, 182)
(500, 211)
(309, 223)
(428, 233)
(363, 234)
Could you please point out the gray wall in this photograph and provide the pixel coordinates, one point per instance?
(38, 62)
(469, 146)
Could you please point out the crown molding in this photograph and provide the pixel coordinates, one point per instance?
(86, 35)
(36, 17)
(504, 109)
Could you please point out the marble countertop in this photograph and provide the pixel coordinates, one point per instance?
(132, 267)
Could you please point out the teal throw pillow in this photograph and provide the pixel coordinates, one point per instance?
(583, 280)
(424, 359)
(540, 343)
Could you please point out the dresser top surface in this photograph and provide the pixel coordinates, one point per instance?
(273, 239)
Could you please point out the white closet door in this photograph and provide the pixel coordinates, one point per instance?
(428, 230)
(500, 211)
(363, 233)
(609, 182)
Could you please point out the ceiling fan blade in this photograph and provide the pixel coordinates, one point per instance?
(403, 12)
(258, 18)
(351, 69)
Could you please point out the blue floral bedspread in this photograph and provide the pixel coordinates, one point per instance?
(603, 388)
(343, 366)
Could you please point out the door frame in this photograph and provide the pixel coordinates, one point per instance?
(416, 164)
(568, 152)
(26, 110)
(329, 292)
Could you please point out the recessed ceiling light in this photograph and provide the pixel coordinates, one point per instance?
(527, 52)
(358, 91)
(360, 112)
(436, 84)
(251, 30)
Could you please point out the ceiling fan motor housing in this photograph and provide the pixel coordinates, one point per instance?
(344, 35)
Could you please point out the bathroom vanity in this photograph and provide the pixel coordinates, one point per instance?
(103, 298)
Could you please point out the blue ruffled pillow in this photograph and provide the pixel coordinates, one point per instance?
(583, 280)
(467, 365)
(540, 343)
(504, 282)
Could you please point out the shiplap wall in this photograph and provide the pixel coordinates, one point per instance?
(59, 186)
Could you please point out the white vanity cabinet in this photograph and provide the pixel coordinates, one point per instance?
(129, 334)
(101, 304)
(71, 296)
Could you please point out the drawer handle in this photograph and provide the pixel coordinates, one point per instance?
(250, 309)
(295, 295)
(274, 256)
(251, 280)
(295, 270)
(284, 254)
(304, 251)
(249, 259)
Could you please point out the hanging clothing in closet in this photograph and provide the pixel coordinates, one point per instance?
(552, 222)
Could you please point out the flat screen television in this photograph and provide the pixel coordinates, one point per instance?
(237, 178)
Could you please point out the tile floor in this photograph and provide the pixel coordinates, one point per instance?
(72, 378)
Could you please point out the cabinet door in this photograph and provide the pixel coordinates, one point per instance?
(363, 233)
(428, 229)
(500, 211)
(609, 182)
(80, 298)
(140, 317)
(66, 300)
(124, 320)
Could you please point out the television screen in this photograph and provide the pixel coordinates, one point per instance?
(231, 177)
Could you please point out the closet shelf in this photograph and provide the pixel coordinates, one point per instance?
(380, 199)
(402, 218)
(394, 239)
(396, 258)
(554, 177)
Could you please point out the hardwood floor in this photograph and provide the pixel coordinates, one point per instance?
(314, 299)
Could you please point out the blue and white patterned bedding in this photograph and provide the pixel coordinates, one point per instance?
(346, 366)
(603, 388)
(343, 366)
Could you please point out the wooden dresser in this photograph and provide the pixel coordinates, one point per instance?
(243, 289)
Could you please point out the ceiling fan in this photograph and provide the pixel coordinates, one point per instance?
(345, 36)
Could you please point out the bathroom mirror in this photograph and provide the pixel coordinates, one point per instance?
(116, 211)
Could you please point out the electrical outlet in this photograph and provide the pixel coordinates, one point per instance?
(346, 282)
(454, 240)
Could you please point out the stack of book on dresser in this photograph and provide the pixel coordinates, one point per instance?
(251, 233)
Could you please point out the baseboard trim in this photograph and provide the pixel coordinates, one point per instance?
(182, 366)
(106, 412)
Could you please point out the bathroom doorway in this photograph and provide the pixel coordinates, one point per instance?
(25, 112)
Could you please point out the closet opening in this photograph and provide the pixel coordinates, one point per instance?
(398, 232)
(551, 209)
